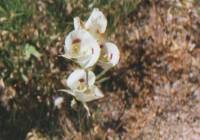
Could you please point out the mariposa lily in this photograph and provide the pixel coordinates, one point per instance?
(82, 47)
(82, 88)
(96, 24)
(109, 55)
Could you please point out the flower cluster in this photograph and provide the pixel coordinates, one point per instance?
(86, 46)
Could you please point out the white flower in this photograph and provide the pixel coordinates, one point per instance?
(81, 47)
(58, 101)
(96, 24)
(81, 84)
(109, 55)
(97, 21)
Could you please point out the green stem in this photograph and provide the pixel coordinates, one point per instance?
(102, 73)
(87, 79)
(102, 80)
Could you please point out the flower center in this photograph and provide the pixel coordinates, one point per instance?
(107, 57)
(76, 46)
(82, 85)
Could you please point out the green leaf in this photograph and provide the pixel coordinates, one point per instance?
(31, 50)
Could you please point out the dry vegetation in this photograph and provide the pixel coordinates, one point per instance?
(154, 93)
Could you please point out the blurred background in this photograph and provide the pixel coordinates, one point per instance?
(152, 94)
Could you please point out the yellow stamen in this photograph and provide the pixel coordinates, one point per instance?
(75, 48)
(106, 58)
(82, 85)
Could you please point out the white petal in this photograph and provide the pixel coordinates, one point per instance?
(94, 57)
(112, 49)
(76, 36)
(75, 77)
(77, 23)
(93, 94)
(98, 92)
(97, 21)
(88, 48)
(112, 53)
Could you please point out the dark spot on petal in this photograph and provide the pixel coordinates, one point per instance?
(101, 46)
(77, 40)
(92, 51)
(111, 55)
(81, 80)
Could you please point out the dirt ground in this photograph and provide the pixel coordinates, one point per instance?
(160, 84)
